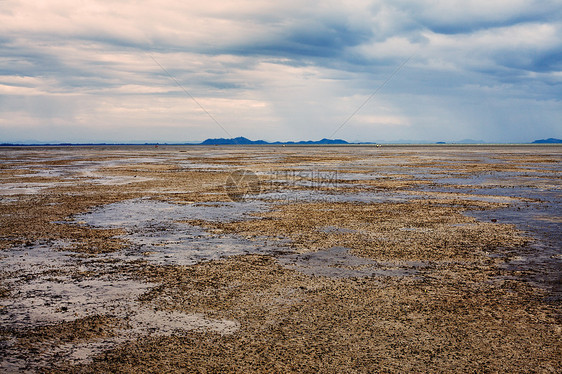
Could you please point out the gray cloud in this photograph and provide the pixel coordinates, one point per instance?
(291, 70)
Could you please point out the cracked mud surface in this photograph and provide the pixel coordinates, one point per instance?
(341, 259)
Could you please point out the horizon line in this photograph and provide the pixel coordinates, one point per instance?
(276, 143)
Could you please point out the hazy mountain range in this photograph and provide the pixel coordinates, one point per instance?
(548, 141)
(245, 141)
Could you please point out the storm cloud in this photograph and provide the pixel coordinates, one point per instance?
(89, 71)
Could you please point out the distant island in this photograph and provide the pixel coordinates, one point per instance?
(548, 141)
(245, 141)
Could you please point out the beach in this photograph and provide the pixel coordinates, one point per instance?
(327, 259)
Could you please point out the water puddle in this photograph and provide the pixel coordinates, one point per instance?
(155, 230)
(337, 262)
(27, 188)
(540, 261)
(205, 166)
(336, 230)
(535, 207)
(50, 299)
(305, 196)
(48, 287)
(17, 262)
(146, 212)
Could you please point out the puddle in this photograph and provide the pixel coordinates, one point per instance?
(541, 260)
(51, 299)
(299, 196)
(181, 244)
(110, 180)
(336, 230)
(337, 262)
(141, 323)
(76, 169)
(157, 234)
(30, 260)
(535, 207)
(359, 176)
(32, 188)
(502, 179)
(146, 213)
(415, 229)
(26, 188)
(206, 167)
(49, 287)
(9, 199)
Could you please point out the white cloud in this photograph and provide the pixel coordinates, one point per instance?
(280, 70)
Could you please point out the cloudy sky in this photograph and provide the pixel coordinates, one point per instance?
(93, 70)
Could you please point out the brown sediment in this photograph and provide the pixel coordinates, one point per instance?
(38, 218)
(455, 309)
(391, 184)
(290, 323)
(419, 229)
(79, 330)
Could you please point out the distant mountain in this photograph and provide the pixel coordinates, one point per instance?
(548, 141)
(323, 141)
(233, 141)
(245, 141)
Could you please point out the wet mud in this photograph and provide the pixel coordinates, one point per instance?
(328, 259)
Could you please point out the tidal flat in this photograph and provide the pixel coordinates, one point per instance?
(329, 259)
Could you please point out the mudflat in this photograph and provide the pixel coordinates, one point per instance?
(281, 259)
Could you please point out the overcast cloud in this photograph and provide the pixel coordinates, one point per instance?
(81, 71)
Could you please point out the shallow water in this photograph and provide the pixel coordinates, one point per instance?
(337, 262)
(541, 261)
(49, 286)
(155, 230)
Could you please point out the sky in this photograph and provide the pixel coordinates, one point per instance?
(180, 71)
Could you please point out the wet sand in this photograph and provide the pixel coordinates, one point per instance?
(281, 259)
